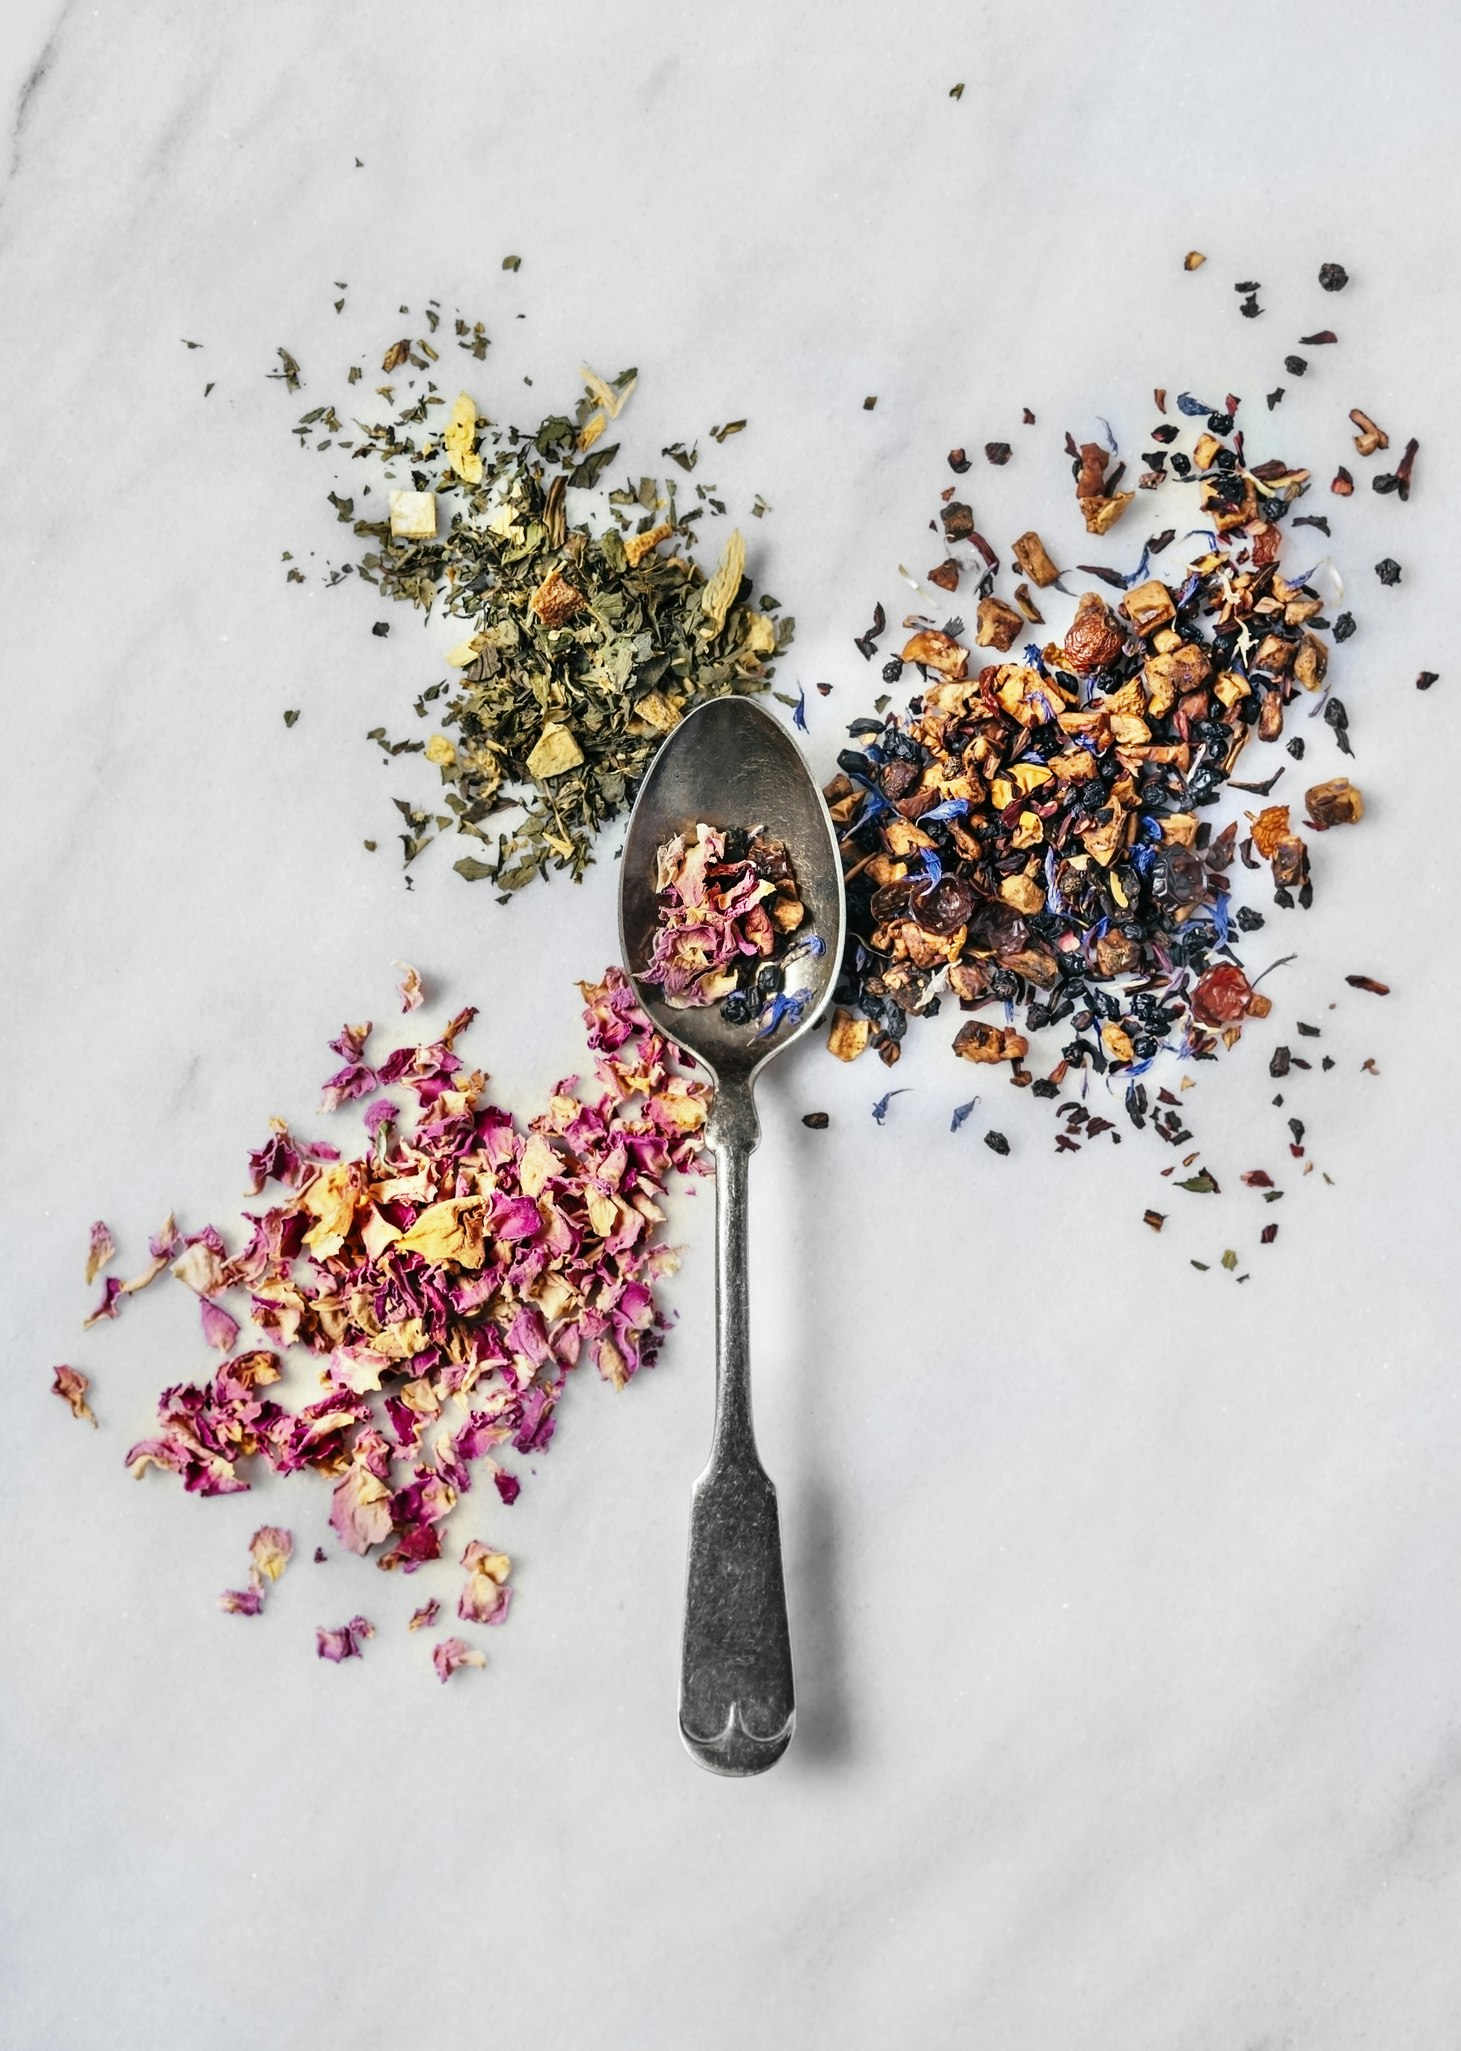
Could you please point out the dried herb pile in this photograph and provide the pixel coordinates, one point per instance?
(1027, 837)
(1028, 833)
(446, 1279)
(587, 626)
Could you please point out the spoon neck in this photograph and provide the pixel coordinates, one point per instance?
(733, 1132)
(732, 1128)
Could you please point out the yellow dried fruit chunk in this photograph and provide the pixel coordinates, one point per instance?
(413, 515)
(1024, 893)
(459, 439)
(937, 651)
(848, 1036)
(719, 594)
(1032, 558)
(554, 752)
(555, 599)
(1101, 514)
(978, 1041)
(998, 624)
(638, 546)
(655, 709)
(1335, 803)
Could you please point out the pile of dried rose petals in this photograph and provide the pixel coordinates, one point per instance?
(727, 908)
(447, 1280)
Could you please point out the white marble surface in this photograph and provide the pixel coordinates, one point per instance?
(1125, 1598)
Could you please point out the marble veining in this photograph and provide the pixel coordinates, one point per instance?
(1123, 1595)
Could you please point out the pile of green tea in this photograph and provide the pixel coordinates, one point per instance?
(586, 625)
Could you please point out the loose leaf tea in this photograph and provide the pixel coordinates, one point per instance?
(587, 627)
(1029, 834)
(727, 911)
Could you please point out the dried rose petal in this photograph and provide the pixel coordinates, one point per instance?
(100, 1249)
(111, 1291)
(271, 1549)
(423, 1618)
(71, 1385)
(452, 1653)
(441, 1341)
(345, 1642)
(486, 1597)
(412, 994)
(219, 1329)
(242, 1602)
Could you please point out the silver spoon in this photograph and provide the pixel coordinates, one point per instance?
(728, 763)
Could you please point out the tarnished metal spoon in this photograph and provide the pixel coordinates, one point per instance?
(728, 763)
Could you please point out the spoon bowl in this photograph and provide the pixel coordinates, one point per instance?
(728, 763)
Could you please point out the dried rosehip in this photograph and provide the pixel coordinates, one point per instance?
(1221, 997)
(1333, 277)
(943, 907)
(1093, 639)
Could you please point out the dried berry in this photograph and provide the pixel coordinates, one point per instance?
(996, 1142)
(1426, 678)
(1388, 570)
(1333, 277)
(816, 1121)
(997, 453)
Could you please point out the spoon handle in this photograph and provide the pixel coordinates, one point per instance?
(737, 1705)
